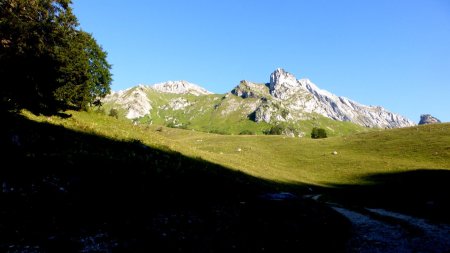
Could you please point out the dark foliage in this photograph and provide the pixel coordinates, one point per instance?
(46, 63)
(246, 132)
(114, 113)
(318, 133)
(275, 130)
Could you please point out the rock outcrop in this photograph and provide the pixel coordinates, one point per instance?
(303, 96)
(247, 89)
(180, 87)
(133, 100)
(137, 103)
(428, 119)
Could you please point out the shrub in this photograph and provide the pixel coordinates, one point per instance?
(246, 132)
(171, 125)
(275, 130)
(317, 133)
(217, 131)
(114, 113)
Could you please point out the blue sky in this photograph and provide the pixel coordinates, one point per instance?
(377, 52)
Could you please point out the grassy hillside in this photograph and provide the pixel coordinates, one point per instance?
(280, 158)
(304, 160)
(87, 183)
(361, 159)
(69, 177)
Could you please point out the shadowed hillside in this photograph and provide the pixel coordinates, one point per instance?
(70, 191)
(108, 185)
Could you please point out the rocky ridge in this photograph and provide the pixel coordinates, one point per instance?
(284, 99)
(180, 87)
(303, 96)
(137, 104)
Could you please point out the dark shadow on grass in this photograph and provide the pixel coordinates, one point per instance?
(68, 191)
(420, 192)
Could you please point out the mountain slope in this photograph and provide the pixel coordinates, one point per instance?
(303, 96)
(406, 168)
(199, 206)
(286, 159)
(295, 105)
(65, 187)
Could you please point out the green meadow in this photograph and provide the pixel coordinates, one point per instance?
(323, 162)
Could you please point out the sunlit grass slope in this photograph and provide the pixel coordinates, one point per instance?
(285, 159)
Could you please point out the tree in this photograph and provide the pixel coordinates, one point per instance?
(87, 73)
(46, 62)
(317, 133)
(114, 113)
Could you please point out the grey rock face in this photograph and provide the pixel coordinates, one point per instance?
(247, 89)
(428, 119)
(304, 96)
(134, 100)
(283, 84)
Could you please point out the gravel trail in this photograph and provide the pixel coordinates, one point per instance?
(378, 230)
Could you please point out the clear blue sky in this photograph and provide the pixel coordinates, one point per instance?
(393, 53)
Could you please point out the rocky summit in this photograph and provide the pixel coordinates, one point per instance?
(297, 104)
(428, 119)
(303, 96)
(180, 87)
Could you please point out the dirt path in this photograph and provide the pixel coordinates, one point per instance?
(378, 230)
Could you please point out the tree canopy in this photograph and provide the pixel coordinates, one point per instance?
(46, 62)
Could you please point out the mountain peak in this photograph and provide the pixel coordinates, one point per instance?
(428, 119)
(180, 87)
(280, 77)
(283, 84)
(304, 96)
